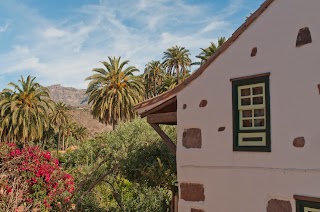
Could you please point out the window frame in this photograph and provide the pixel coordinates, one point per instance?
(303, 202)
(248, 81)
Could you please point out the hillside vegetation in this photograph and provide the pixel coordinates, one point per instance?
(129, 169)
(77, 101)
(84, 118)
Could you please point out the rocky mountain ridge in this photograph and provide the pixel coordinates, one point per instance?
(80, 112)
(73, 97)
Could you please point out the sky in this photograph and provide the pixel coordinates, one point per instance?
(61, 41)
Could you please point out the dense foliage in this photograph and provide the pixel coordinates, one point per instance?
(130, 168)
(154, 75)
(114, 91)
(60, 119)
(28, 116)
(177, 61)
(31, 179)
(24, 111)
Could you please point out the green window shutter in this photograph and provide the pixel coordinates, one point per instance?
(307, 206)
(251, 114)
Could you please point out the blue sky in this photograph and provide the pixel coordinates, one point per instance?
(60, 42)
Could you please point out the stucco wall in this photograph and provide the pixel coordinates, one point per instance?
(244, 181)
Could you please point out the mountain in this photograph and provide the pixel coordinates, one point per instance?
(78, 102)
(84, 118)
(73, 97)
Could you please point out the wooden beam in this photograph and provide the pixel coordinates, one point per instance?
(162, 118)
(172, 147)
(159, 107)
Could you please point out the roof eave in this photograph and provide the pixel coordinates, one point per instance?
(173, 92)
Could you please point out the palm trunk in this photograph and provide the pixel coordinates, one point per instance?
(178, 72)
(58, 146)
(63, 147)
(67, 142)
(44, 143)
(113, 126)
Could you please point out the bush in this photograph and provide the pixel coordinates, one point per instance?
(31, 179)
(143, 171)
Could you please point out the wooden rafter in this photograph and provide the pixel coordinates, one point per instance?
(172, 147)
(163, 105)
(163, 118)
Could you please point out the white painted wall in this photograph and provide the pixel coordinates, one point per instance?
(245, 181)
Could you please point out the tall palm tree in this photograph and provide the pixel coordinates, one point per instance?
(25, 111)
(169, 82)
(48, 137)
(59, 120)
(176, 60)
(6, 127)
(114, 91)
(207, 52)
(69, 132)
(153, 78)
(80, 133)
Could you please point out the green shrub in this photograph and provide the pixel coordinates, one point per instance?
(141, 170)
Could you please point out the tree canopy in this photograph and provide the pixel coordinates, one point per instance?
(24, 111)
(114, 91)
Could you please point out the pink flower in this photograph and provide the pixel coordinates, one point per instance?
(17, 152)
(47, 155)
(9, 189)
(41, 169)
(56, 162)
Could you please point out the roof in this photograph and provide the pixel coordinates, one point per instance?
(155, 101)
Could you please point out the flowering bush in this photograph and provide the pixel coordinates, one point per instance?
(31, 179)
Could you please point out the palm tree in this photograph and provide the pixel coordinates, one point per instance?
(48, 137)
(176, 60)
(6, 127)
(25, 111)
(114, 91)
(169, 82)
(59, 120)
(69, 131)
(80, 133)
(207, 52)
(153, 78)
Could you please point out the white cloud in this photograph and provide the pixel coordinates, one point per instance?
(214, 25)
(233, 7)
(54, 33)
(20, 59)
(21, 50)
(4, 27)
(66, 51)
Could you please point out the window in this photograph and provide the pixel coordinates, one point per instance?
(307, 204)
(251, 114)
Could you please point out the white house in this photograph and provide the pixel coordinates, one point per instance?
(248, 119)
